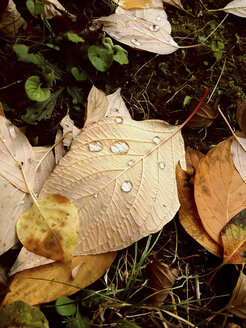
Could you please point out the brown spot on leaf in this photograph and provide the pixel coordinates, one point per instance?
(206, 191)
(60, 199)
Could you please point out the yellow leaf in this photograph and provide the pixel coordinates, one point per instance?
(134, 4)
(50, 228)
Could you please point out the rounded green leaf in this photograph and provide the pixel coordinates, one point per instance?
(65, 306)
(100, 58)
(74, 37)
(34, 91)
(78, 74)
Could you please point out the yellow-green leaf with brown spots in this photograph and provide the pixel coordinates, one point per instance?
(50, 228)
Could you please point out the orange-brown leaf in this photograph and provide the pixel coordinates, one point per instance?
(204, 117)
(188, 215)
(219, 189)
(39, 291)
(193, 158)
(233, 237)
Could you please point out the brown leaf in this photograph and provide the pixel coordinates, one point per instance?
(120, 174)
(204, 117)
(163, 277)
(39, 291)
(219, 189)
(193, 158)
(233, 237)
(188, 215)
(237, 303)
(11, 20)
(241, 116)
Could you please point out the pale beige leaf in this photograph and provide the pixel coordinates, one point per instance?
(11, 20)
(237, 303)
(46, 166)
(68, 125)
(175, 3)
(156, 16)
(12, 139)
(236, 7)
(50, 8)
(116, 105)
(138, 33)
(121, 177)
(60, 150)
(239, 156)
(96, 106)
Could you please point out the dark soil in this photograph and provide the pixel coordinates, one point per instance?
(153, 87)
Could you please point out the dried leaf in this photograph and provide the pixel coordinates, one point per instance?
(138, 33)
(120, 174)
(51, 6)
(68, 125)
(60, 150)
(50, 228)
(204, 117)
(116, 105)
(193, 158)
(188, 215)
(241, 116)
(11, 20)
(155, 16)
(134, 4)
(233, 237)
(175, 3)
(237, 303)
(219, 189)
(14, 143)
(236, 7)
(163, 277)
(39, 291)
(239, 156)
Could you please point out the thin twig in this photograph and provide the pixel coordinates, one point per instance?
(218, 81)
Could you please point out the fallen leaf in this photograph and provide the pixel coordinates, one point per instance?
(219, 189)
(193, 158)
(233, 237)
(11, 20)
(60, 150)
(134, 4)
(239, 156)
(120, 174)
(50, 228)
(175, 3)
(138, 33)
(163, 277)
(50, 8)
(116, 105)
(68, 125)
(241, 116)
(155, 15)
(236, 7)
(237, 303)
(14, 143)
(20, 314)
(204, 117)
(61, 283)
(188, 215)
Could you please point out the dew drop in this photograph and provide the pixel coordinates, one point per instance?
(119, 120)
(12, 131)
(117, 35)
(162, 165)
(136, 42)
(158, 18)
(95, 195)
(156, 140)
(119, 147)
(154, 28)
(95, 146)
(131, 162)
(154, 199)
(22, 202)
(38, 260)
(126, 186)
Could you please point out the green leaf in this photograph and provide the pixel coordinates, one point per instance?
(65, 306)
(52, 46)
(34, 91)
(22, 50)
(75, 94)
(108, 43)
(41, 110)
(74, 37)
(35, 7)
(81, 321)
(20, 314)
(78, 74)
(100, 58)
(187, 100)
(120, 55)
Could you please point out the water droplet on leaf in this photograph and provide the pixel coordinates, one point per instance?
(154, 28)
(119, 147)
(117, 35)
(119, 120)
(158, 18)
(95, 195)
(136, 42)
(126, 186)
(156, 140)
(162, 165)
(131, 162)
(95, 146)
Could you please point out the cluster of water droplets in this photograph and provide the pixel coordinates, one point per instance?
(152, 28)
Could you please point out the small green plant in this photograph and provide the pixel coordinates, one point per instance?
(34, 91)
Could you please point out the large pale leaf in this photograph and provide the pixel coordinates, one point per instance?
(120, 174)
(237, 303)
(14, 143)
(38, 291)
(116, 105)
(138, 33)
(50, 228)
(239, 156)
(219, 189)
(236, 7)
(155, 16)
